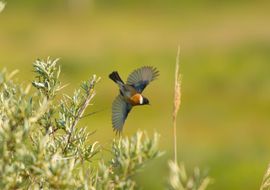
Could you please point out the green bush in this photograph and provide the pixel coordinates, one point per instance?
(42, 147)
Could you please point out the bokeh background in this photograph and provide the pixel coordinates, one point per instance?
(224, 123)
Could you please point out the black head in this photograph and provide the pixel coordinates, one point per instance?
(145, 101)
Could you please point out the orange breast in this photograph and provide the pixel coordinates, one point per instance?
(135, 99)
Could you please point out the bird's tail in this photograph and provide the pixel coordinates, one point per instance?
(115, 77)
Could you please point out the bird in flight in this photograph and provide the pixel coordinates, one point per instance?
(130, 93)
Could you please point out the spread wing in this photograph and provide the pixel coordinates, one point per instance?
(120, 110)
(141, 77)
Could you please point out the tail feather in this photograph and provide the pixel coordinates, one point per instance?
(115, 77)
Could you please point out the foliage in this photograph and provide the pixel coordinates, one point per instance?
(2, 6)
(42, 146)
(266, 180)
(179, 179)
(129, 156)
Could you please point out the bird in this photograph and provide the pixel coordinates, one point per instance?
(130, 93)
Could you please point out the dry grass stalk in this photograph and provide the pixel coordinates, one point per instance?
(177, 100)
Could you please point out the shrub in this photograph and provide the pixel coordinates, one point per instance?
(42, 146)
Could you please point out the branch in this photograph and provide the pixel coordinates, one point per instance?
(90, 95)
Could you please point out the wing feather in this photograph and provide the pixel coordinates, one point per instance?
(120, 111)
(141, 77)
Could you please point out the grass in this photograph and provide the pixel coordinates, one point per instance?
(179, 178)
(177, 102)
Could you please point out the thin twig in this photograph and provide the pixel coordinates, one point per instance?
(53, 131)
(92, 113)
(177, 101)
(79, 115)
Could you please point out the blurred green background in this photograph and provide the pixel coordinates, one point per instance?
(224, 123)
